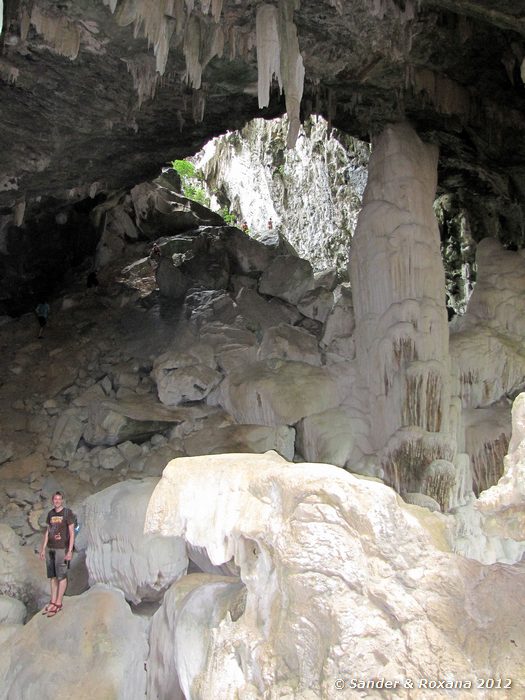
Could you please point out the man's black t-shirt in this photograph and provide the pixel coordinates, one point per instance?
(57, 523)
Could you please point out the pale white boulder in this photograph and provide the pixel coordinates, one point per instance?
(279, 392)
(11, 561)
(503, 505)
(8, 630)
(336, 586)
(182, 630)
(486, 538)
(337, 436)
(22, 574)
(12, 611)
(119, 554)
(287, 342)
(94, 648)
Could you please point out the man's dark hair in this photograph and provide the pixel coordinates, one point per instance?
(58, 493)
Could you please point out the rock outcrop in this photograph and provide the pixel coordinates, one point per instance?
(97, 648)
(119, 554)
(334, 587)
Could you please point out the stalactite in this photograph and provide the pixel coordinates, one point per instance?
(19, 212)
(446, 95)
(112, 4)
(155, 19)
(216, 8)
(201, 43)
(191, 49)
(8, 73)
(213, 44)
(198, 105)
(268, 52)
(292, 67)
(145, 76)
(63, 35)
(439, 481)
(331, 107)
(24, 23)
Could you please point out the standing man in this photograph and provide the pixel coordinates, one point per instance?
(42, 312)
(57, 549)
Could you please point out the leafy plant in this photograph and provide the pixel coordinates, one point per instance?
(185, 168)
(228, 216)
(197, 194)
(190, 177)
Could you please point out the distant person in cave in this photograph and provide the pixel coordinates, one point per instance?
(270, 224)
(57, 550)
(42, 314)
(244, 227)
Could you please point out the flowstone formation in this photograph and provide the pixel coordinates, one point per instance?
(399, 302)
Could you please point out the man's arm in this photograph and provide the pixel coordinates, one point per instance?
(69, 552)
(44, 544)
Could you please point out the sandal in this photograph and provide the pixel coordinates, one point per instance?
(54, 610)
(48, 607)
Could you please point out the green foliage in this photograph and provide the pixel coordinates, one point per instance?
(197, 194)
(190, 177)
(185, 168)
(227, 215)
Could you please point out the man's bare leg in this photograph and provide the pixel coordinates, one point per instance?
(53, 583)
(61, 589)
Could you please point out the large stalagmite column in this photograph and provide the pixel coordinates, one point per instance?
(398, 286)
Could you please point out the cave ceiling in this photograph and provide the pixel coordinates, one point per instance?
(85, 111)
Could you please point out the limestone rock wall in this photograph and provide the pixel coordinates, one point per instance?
(312, 193)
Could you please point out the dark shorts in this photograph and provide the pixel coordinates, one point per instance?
(42, 320)
(57, 567)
